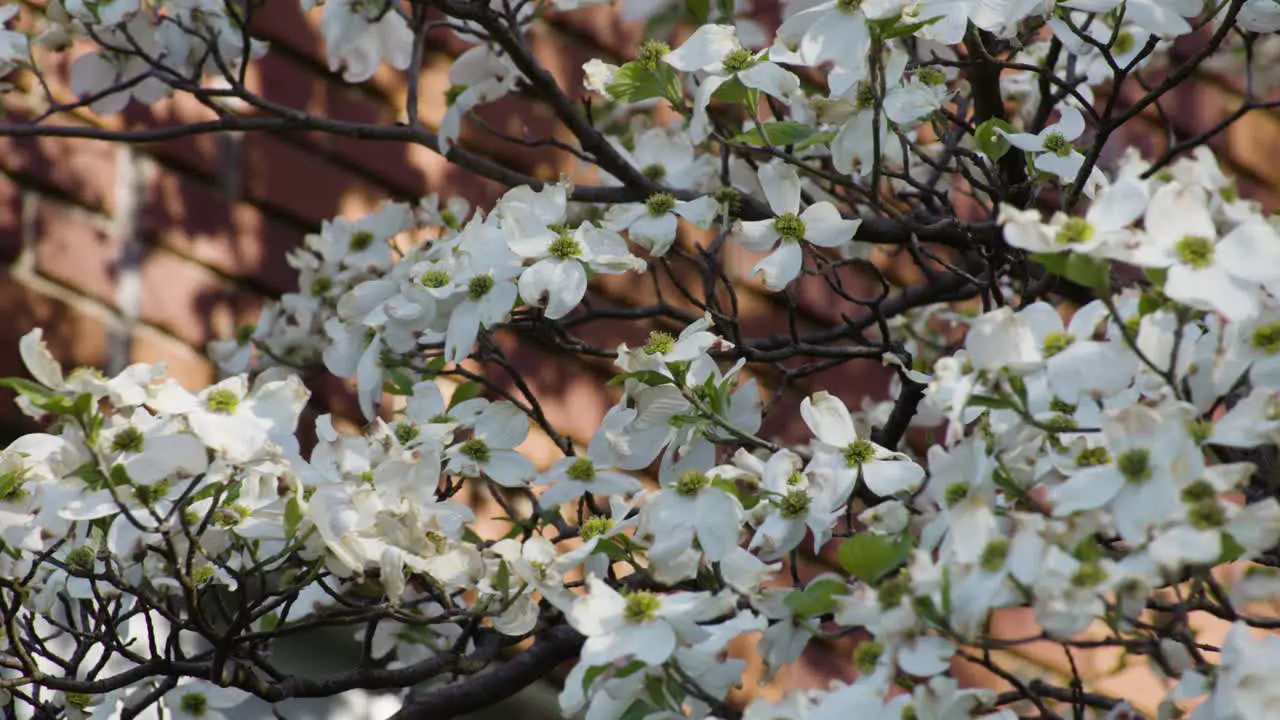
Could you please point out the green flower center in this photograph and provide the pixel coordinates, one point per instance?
(1056, 342)
(727, 198)
(476, 449)
(1091, 457)
(1200, 430)
(81, 558)
(891, 592)
(1207, 515)
(434, 279)
(1057, 144)
(640, 607)
(795, 478)
(1059, 405)
(564, 247)
(1195, 250)
(849, 6)
(202, 575)
(129, 439)
(931, 76)
(738, 60)
(595, 527)
(360, 240)
(582, 470)
(908, 713)
(955, 493)
(1198, 491)
(80, 700)
(1074, 231)
(651, 53)
(691, 482)
(660, 204)
(222, 401)
(790, 227)
(660, 343)
(1089, 575)
(866, 655)
(194, 703)
(437, 540)
(321, 285)
(1267, 338)
(864, 98)
(994, 555)
(795, 504)
(859, 452)
(1135, 465)
(655, 172)
(1123, 44)
(147, 495)
(406, 432)
(479, 286)
(244, 333)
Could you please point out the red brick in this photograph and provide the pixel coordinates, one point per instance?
(72, 248)
(83, 170)
(235, 238)
(10, 219)
(190, 302)
(182, 363)
(74, 337)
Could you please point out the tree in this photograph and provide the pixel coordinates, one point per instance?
(1111, 471)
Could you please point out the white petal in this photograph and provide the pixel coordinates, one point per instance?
(780, 266)
(824, 227)
(781, 184)
(756, 235)
(705, 49)
(39, 361)
(771, 79)
(828, 419)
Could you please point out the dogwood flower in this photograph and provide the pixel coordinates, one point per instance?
(819, 224)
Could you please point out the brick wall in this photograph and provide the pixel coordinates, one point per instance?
(146, 253)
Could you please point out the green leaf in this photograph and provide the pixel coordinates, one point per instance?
(1157, 276)
(35, 391)
(819, 138)
(992, 143)
(463, 393)
(988, 402)
(398, 383)
(292, 517)
(502, 581)
(818, 598)
(732, 91)
(1093, 273)
(895, 28)
(869, 557)
(699, 9)
(1232, 550)
(782, 132)
(652, 378)
(634, 82)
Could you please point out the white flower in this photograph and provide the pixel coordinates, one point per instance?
(571, 477)
(840, 449)
(691, 507)
(360, 33)
(1056, 153)
(652, 224)
(640, 625)
(194, 699)
(498, 429)
(820, 224)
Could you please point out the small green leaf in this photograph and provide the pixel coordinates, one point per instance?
(894, 27)
(652, 378)
(292, 517)
(1157, 276)
(398, 383)
(463, 393)
(634, 82)
(988, 402)
(35, 391)
(782, 132)
(502, 581)
(732, 91)
(699, 9)
(1093, 273)
(869, 557)
(989, 141)
(1232, 550)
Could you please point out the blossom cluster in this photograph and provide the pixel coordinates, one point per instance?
(1096, 462)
